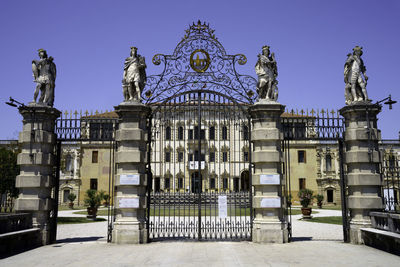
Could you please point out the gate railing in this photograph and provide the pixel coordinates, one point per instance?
(390, 173)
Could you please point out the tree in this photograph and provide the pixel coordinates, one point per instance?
(8, 171)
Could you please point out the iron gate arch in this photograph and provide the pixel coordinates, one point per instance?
(198, 146)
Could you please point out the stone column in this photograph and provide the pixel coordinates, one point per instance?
(362, 159)
(36, 161)
(269, 225)
(130, 185)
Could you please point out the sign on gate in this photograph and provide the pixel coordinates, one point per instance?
(222, 207)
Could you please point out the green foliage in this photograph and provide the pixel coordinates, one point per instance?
(71, 197)
(305, 195)
(319, 198)
(8, 171)
(93, 198)
(72, 220)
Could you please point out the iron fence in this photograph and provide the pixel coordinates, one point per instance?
(390, 174)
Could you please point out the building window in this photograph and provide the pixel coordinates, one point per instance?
(168, 133)
(95, 156)
(224, 156)
(301, 156)
(245, 132)
(196, 156)
(190, 134)
(246, 156)
(157, 184)
(212, 157)
(236, 184)
(328, 161)
(180, 183)
(196, 133)
(180, 133)
(167, 156)
(212, 183)
(180, 156)
(211, 133)
(167, 183)
(302, 183)
(93, 183)
(68, 163)
(224, 133)
(225, 183)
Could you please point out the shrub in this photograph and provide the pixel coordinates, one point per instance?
(305, 195)
(93, 198)
(71, 197)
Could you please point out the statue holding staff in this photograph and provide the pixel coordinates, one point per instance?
(44, 72)
(134, 78)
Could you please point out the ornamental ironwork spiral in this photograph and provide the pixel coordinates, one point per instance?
(199, 62)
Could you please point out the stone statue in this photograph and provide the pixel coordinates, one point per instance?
(134, 76)
(44, 72)
(354, 70)
(267, 72)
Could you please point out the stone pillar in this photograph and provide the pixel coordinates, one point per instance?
(36, 161)
(269, 225)
(130, 184)
(362, 159)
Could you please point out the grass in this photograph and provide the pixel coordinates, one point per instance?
(183, 212)
(328, 219)
(297, 211)
(65, 207)
(71, 220)
(337, 207)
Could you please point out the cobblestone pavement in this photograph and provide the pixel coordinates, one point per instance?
(315, 244)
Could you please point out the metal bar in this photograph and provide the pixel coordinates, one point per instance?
(199, 178)
(53, 235)
(343, 193)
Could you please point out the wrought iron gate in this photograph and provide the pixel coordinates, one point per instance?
(86, 132)
(324, 130)
(199, 153)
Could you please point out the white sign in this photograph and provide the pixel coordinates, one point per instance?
(389, 197)
(271, 202)
(222, 207)
(129, 203)
(129, 179)
(194, 165)
(269, 179)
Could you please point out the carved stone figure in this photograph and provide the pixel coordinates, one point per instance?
(354, 70)
(44, 72)
(267, 71)
(134, 78)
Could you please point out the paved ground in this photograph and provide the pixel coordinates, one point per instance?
(316, 244)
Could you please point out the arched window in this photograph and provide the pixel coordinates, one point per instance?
(180, 133)
(245, 132)
(224, 133)
(328, 162)
(168, 133)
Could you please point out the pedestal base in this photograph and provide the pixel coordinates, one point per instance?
(270, 232)
(355, 232)
(129, 233)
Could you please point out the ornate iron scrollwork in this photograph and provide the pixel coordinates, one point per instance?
(200, 62)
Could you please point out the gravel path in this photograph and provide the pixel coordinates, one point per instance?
(302, 230)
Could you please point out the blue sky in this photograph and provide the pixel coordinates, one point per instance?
(89, 41)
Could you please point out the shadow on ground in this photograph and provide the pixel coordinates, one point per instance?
(79, 239)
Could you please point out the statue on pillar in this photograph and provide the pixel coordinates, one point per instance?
(355, 78)
(44, 72)
(267, 71)
(134, 78)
